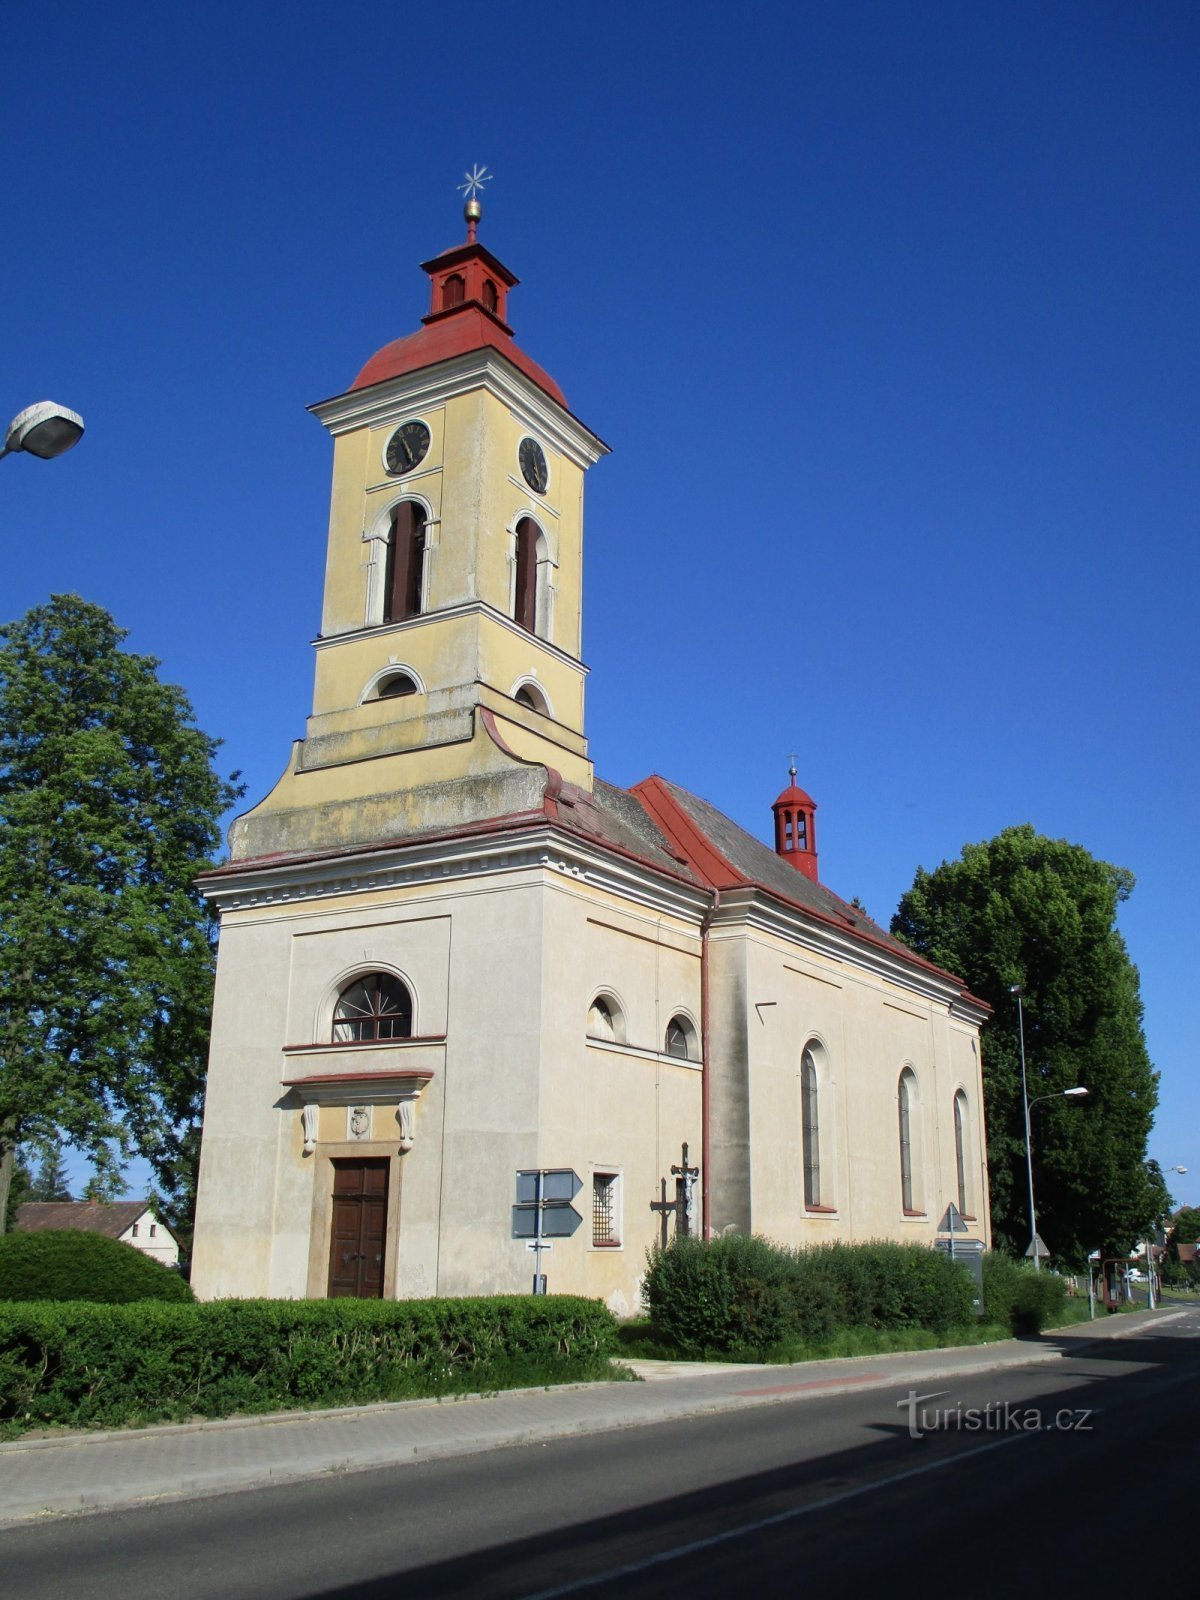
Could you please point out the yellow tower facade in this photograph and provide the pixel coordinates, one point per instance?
(449, 657)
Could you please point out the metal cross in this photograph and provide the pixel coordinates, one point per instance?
(475, 180)
(665, 1207)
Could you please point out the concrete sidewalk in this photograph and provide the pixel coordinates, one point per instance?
(83, 1472)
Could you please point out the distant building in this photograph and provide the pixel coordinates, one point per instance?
(450, 954)
(129, 1221)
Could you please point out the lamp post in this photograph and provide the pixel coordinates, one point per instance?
(1149, 1244)
(45, 430)
(1077, 1093)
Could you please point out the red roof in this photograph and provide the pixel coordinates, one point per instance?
(470, 329)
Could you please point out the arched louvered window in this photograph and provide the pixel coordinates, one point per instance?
(453, 291)
(375, 1006)
(489, 295)
(905, 1098)
(960, 1152)
(525, 603)
(402, 596)
(810, 1129)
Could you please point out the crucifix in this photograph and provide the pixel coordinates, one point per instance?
(664, 1207)
(685, 1177)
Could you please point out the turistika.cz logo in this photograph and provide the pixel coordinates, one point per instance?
(995, 1417)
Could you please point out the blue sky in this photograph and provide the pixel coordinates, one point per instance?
(887, 310)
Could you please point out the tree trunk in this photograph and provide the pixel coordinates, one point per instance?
(7, 1152)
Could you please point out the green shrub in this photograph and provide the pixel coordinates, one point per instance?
(743, 1296)
(109, 1366)
(67, 1264)
(1022, 1299)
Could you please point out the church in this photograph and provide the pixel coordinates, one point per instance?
(459, 973)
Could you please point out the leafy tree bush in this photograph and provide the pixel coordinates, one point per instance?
(109, 1366)
(109, 807)
(68, 1264)
(1020, 1298)
(744, 1296)
(1025, 909)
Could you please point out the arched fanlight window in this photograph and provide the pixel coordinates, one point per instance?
(528, 696)
(403, 578)
(681, 1039)
(960, 1152)
(394, 686)
(525, 600)
(375, 1006)
(905, 1100)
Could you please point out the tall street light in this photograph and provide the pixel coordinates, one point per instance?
(45, 429)
(1077, 1093)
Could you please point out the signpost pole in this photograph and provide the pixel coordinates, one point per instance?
(538, 1245)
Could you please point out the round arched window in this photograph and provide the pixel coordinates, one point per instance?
(376, 1006)
(681, 1039)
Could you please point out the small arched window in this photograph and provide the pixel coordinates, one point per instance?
(489, 295)
(404, 575)
(525, 599)
(453, 291)
(395, 686)
(375, 1006)
(906, 1097)
(960, 1152)
(810, 1129)
(528, 696)
(681, 1039)
(605, 1020)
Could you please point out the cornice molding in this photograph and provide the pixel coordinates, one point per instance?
(430, 386)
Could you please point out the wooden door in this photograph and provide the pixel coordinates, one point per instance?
(359, 1229)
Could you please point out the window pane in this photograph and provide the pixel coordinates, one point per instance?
(375, 1007)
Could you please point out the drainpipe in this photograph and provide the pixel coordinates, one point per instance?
(705, 925)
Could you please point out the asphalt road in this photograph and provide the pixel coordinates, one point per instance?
(1088, 1478)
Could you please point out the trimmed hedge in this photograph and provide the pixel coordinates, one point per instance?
(1019, 1297)
(68, 1264)
(90, 1366)
(744, 1296)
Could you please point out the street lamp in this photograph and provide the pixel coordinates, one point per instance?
(1077, 1093)
(45, 429)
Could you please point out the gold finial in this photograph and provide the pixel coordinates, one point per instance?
(473, 210)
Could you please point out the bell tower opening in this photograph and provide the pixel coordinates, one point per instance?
(795, 830)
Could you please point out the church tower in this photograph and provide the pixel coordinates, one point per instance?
(448, 663)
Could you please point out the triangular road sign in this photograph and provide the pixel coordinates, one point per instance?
(952, 1222)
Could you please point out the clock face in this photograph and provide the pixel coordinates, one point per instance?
(533, 465)
(406, 448)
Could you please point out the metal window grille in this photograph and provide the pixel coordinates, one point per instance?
(604, 1209)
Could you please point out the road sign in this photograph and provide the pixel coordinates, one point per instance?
(559, 1219)
(543, 1211)
(952, 1222)
(1039, 1244)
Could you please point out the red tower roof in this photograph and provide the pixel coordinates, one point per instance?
(468, 303)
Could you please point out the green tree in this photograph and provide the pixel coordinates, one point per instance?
(50, 1182)
(1024, 909)
(109, 807)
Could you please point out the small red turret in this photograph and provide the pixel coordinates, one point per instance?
(795, 828)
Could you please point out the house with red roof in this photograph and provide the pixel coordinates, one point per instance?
(471, 998)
